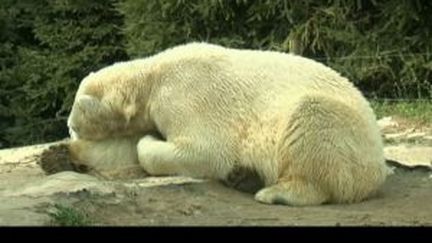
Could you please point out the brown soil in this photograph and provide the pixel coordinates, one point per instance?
(404, 200)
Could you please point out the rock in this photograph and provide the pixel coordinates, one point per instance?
(386, 122)
(26, 191)
(410, 156)
(14, 155)
(407, 134)
(23, 211)
(394, 136)
(416, 135)
(23, 157)
(161, 181)
(64, 182)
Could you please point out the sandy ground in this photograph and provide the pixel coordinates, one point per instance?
(28, 196)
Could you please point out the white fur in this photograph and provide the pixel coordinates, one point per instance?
(307, 131)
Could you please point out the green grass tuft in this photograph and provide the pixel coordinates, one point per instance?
(68, 216)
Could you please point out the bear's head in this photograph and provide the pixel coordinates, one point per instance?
(109, 103)
(113, 102)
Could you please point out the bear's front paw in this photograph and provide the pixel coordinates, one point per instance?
(57, 158)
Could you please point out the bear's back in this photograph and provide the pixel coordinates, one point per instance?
(280, 69)
(267, 74)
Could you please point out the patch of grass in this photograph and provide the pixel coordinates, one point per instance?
(420, 110)
(68, 216)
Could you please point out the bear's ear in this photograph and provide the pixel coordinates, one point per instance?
(87, 103)
(87, 106)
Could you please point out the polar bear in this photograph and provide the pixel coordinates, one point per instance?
(303, 129)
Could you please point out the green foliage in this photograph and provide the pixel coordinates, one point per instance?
(54, 44)
(419, 110)
(68, 216)
(151, 26)
(383, 46)
(47, 47)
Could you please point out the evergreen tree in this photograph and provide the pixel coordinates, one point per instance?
(384, 47)
(56, 44)
(48, 46)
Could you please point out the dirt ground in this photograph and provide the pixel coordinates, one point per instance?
(27, 196)
(404, 200)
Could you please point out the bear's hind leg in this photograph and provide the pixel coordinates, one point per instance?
(293, 192)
